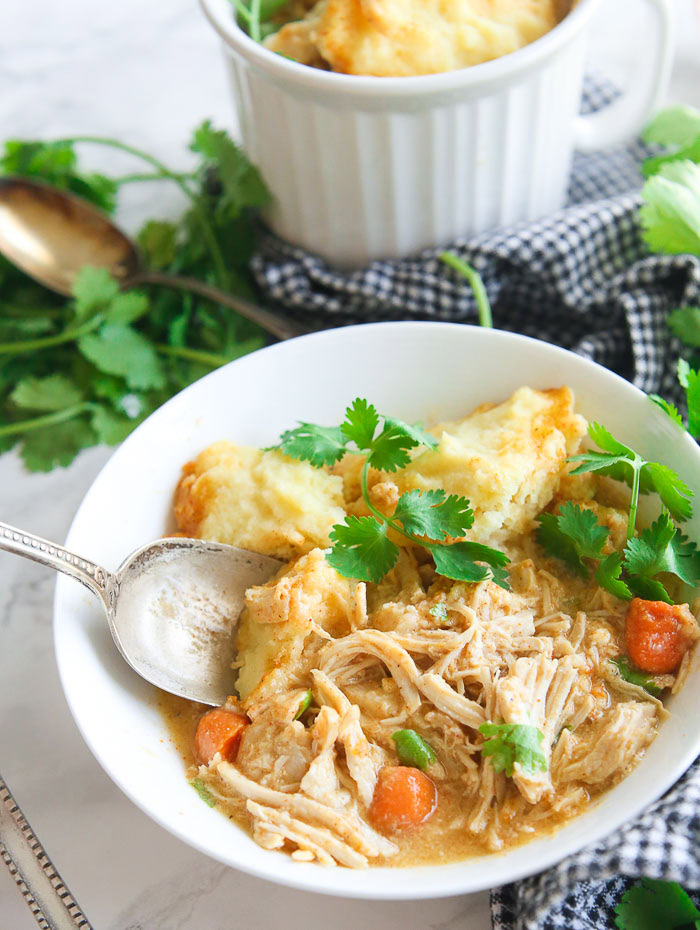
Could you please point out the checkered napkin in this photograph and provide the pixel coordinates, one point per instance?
(583, 279)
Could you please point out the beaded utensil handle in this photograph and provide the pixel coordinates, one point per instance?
(51, 903)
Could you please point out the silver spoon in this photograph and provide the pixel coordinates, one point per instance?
(172, 606)
(51, 234)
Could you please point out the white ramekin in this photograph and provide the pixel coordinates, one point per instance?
(372, 167)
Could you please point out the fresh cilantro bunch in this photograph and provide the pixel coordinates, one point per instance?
(77, 372)
(508, 743)
(670, 217)
(575, 536)
(361, 546)
(656, 905)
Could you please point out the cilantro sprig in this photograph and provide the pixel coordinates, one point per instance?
(575, 536)
(508, 743)
(361, 547)
(88, 369)
(620, 461)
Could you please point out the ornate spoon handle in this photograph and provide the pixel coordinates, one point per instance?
(51, 903)
(52, 555)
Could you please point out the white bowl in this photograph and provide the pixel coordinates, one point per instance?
(425, 371)
(365, 168)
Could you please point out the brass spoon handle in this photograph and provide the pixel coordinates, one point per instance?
(272, 322)
(50, 901)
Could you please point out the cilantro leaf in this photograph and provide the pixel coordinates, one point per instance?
(94, 290)
(572, 535)
(127, 308)
(120, 350)
(433, 514)
(608, 576)
(319, 445)
(54, 392)
(648, 589)
(44, 449)
(634, 676)
(663, 548)
(670, 409)
(670, 214)
(685, 323)
(604, 439)
(391, 447)
(158, 241)
(677, 125)
(414, 430)
(109, 427)
(655, 905)
(672, 490)
(241, 183)
(459, 562)
(511, 743)
(361, 549)
(693, 399)
(690, 152)
(361, 422)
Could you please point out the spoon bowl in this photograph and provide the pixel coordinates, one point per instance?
(52, 235)
(172, 606)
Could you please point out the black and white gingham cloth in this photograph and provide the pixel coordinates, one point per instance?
(583, 279)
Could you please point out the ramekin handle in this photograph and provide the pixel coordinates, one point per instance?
(622, 119)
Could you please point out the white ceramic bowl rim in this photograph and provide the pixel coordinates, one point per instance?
(221, 15)
(97, 682)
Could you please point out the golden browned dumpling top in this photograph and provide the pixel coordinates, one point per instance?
(412, 37)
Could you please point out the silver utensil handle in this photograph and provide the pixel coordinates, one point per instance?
(50, 554)
(48, 898)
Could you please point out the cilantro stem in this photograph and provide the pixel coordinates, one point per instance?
(176, 178)
(242, 10)
(49, 419)
(15, 310)
(483, 305)
(155, 176)
(634, 500)
(255, 20)
(193, 355)
(36, 345)
(383, 517)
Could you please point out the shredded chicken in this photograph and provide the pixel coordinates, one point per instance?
(346, 824)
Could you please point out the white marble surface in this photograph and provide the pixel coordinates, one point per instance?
(147, 73)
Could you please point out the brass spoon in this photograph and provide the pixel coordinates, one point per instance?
(51, 234)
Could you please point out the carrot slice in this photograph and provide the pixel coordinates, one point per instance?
(658, 634)
(219, 730)
(403, 798)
